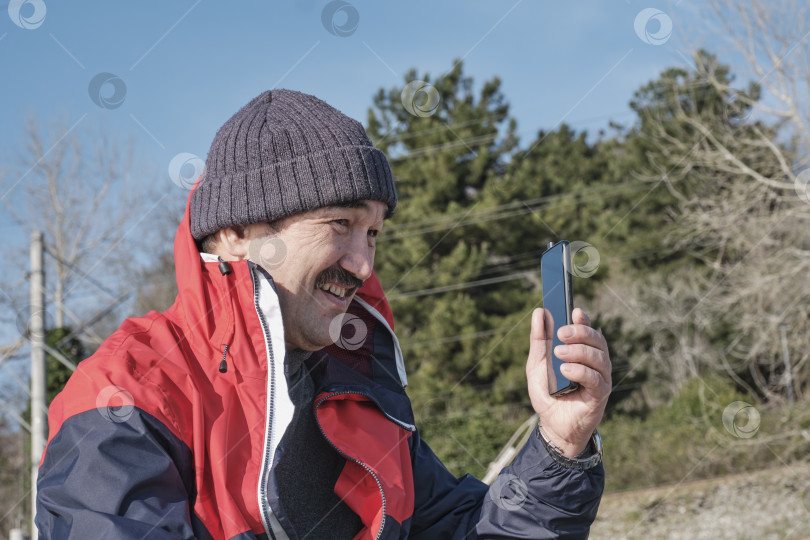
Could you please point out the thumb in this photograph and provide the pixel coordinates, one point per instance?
(536, 366)
(542, 326)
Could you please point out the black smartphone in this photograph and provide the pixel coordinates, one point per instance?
(555, 272)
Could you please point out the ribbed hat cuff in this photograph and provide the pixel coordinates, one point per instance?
(335, 176)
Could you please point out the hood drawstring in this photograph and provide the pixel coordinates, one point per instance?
(225, 269)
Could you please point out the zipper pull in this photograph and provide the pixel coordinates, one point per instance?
(224, 267)
(223, 366)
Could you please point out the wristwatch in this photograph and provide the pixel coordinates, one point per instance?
(587, 459)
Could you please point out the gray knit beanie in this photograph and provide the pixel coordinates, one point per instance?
(282, 154)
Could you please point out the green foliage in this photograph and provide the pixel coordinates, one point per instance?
(57, 374)
(466, 339)
(627, 347)
(460, 259)
(71, 348)
(469, 432)
(687, 439)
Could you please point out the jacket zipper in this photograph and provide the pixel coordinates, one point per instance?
(264, 503)
(367, 468)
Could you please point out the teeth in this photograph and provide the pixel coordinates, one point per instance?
(337, 291)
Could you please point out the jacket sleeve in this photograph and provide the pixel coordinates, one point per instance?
(122, 477)
(537, 498)
(534, 498)
(444, 506)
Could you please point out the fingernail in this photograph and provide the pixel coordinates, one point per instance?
(561, 350)
(565, 332)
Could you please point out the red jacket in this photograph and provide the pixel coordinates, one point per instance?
(152, 438)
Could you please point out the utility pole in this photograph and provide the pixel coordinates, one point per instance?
(512, 448)
(36, 333)
(786, 356)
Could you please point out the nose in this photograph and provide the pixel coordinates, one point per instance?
(359, 258)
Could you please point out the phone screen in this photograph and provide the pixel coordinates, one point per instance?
(555, 266)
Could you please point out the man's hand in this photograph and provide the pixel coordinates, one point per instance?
(569, 420)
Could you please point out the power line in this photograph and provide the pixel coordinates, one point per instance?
(73, 267)
(481, 282)
(25, 425)
(455, 287)
(502, 211)
(449, 146)
(460, 337)
(529, 260)
(19, 382)
(85, 329)
(75, 318)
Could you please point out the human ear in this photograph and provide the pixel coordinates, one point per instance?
(232, 243)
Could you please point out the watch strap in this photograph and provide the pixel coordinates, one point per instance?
(587, 459)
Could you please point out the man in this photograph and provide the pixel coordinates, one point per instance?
(268, 401)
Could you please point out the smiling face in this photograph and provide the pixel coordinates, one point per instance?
(327, 254)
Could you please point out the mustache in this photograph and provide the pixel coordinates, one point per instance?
(336, 274)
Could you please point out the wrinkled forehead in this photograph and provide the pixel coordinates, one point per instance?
(372, 213)
(373, 208)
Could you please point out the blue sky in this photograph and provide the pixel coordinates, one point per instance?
(188, 65)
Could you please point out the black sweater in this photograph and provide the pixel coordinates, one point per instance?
(311, 466)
